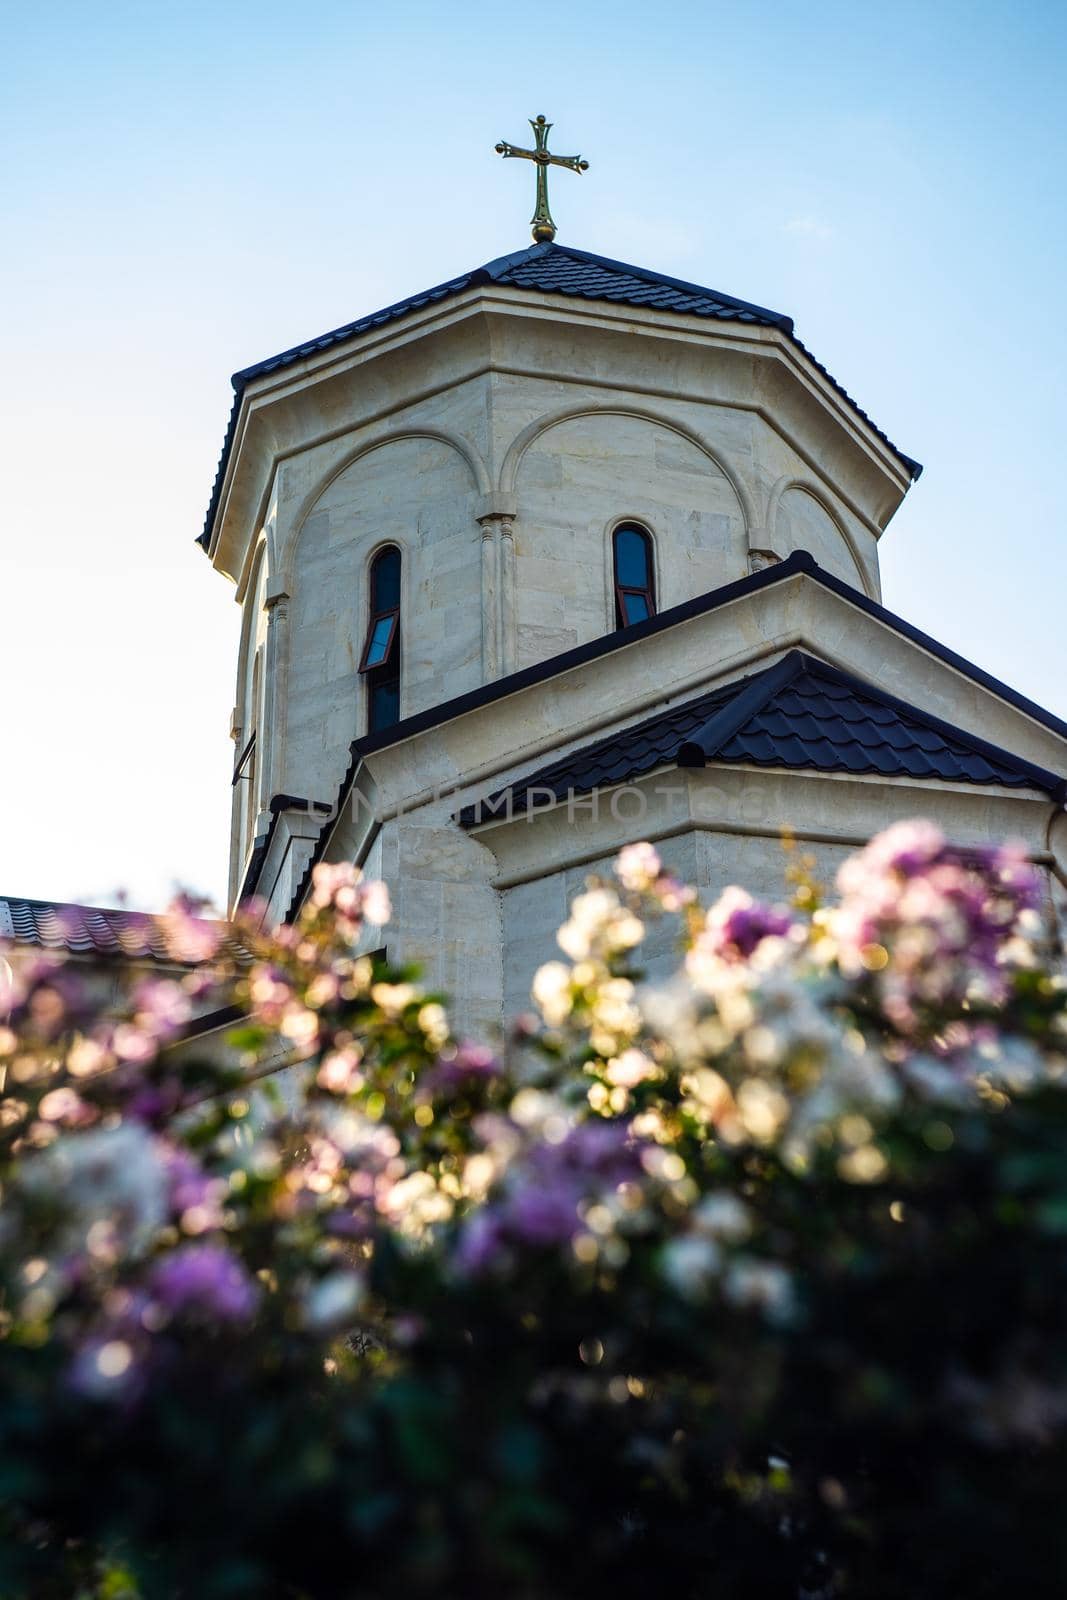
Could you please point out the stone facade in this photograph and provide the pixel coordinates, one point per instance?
(498, 446)
(497, 440)
(478, 908)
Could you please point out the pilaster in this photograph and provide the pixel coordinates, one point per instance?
(496, 518)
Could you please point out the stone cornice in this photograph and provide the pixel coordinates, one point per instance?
(333, 395)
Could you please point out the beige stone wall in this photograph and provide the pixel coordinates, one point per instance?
(801, 522)
(509, 426)
(695, 476)
(580, 479)
(415, 493)
(447, 917)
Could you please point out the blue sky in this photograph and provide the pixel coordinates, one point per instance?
(191, 189)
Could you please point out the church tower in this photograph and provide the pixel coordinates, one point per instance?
(528, 512)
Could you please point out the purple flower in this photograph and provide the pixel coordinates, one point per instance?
(540, 1215)
(192, 1194)
(44, 999)
(469, 1065)
(736, 924)
(204, 1280)
(481, 1243)
(545, 1190)
(152, 1103)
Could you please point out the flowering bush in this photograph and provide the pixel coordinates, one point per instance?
(752, 1282)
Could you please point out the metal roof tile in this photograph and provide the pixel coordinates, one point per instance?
(87, 930)
(799, 713)
(546, 269)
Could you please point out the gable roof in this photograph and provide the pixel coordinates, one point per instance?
(799, 713)
(546, 269)
(799, 562)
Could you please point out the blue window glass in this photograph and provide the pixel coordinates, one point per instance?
(383, 705)
(380, 635)
(381, 650)
(635, 599)
(631, 559)
(634, 607)
(385, 581)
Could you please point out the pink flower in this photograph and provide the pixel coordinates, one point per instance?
(270, 992)
(66, 1106)
(190, 937)
(330, 880)
(131, 1043)
(162, 1007)
(929, 921)
(339, 1072)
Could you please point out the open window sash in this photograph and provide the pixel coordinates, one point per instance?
(246, 761)
(381, 641)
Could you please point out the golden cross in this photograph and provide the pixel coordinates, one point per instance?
(544, 229)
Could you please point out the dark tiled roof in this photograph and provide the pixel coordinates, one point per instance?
(557, 269)
(547, 269)
(85, 930)
(799, 713)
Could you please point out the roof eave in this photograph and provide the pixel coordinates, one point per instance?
(491, 273)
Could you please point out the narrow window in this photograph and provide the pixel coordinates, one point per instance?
(635, 598)
(380, 662)
(245, 772)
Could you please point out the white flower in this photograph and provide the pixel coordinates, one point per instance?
(763, 1110)
(415, 1203)
(691, 1264)
(334, 1299)
(111, 1185)
(760, 1286)
(433, 1020)
(393, 997)
(723, 1216)
(629, 1069)
(376, 904)
(551, 991)
(638, 866)
(598, 920)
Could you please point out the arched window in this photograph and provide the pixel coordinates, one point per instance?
(380, 662)
(635, 591)
(246, 770)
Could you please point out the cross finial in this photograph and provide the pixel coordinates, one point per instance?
(544, 229)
